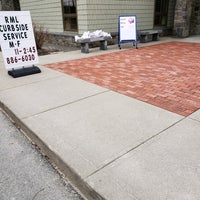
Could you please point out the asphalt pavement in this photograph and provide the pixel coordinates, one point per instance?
(24, 173)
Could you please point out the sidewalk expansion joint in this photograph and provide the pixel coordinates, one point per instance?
(31, 83)
(69, 103)
(137, 146)
(194, 119)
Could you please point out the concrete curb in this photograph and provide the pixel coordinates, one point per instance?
(80, 185)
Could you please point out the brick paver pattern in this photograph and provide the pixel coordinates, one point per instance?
(166, 75)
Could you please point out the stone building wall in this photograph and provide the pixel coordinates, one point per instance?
(182, 18)
(9, 5)
(195, 18)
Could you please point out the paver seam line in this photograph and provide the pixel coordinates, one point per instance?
(70, 174)
(69, 103)
(32, 83)
(130, 150)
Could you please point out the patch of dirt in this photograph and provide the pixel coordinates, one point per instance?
(52, 48)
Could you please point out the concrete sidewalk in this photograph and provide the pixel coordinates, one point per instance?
(110, 146)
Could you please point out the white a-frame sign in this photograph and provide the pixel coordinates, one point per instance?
(127, 29)
(18, 43)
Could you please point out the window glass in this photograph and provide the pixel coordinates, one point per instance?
(161, 12)
(70, 15)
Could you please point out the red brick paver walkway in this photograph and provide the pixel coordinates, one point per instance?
(165, 75)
